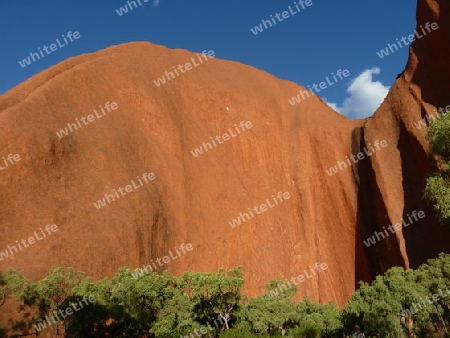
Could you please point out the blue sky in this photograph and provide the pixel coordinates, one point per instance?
(303, 48)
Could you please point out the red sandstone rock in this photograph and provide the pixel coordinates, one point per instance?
(193, 199)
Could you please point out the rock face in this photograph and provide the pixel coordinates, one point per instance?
(193, 199)
(397, 177)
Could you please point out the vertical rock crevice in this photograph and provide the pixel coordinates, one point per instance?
(371, 218)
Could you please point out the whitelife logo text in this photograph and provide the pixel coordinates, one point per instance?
(360, 156)
(165, 259)
(225, 137)
(187, 66)
(31, 240)
(262, 208)
(90, 118)
(394, 229)
(64, 313)
(315, 87)
(110, 197)
(385, 52)
(53, 47)
(284, 14)
(10, 160)
(299, 279)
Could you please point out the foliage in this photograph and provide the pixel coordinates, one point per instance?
(214, 295)
(11, 283)
(165, 306)
(3, 332)
(270, 316)
(319, 319)
(380, 309)
(439, 137)
(437, 189)
(49, 294)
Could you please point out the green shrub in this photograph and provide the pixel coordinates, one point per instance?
(3, 332)
(439, 137)
(437, 189)
(240, 332)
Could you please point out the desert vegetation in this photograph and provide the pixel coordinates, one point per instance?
(399, 303)
(438, 184)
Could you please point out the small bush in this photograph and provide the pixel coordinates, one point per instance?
(437, 189)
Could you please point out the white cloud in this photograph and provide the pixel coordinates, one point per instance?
(365, 97)
(156, 3)
(332, 105)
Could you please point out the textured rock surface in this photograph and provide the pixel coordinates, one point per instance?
(397, 177)
(193, 199)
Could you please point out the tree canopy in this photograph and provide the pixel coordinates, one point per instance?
(412, 303)
(437, 189)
